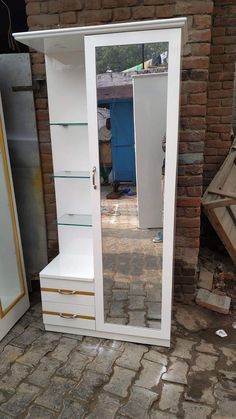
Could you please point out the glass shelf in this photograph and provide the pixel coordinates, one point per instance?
(80, 220)
(65, 124)
(72, 174)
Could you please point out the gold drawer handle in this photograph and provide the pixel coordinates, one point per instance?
(65, 292)
(68, 316)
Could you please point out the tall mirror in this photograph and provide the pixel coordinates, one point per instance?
(131, 111)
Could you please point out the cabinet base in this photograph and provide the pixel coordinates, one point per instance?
(105, 335)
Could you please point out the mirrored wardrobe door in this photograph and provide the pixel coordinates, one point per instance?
(131, 84)
(129, 92)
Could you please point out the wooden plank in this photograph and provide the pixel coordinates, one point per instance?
(221, 192)
(222, 173)
(217, 203)
(220, 178)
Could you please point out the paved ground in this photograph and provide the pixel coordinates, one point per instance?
(132, 265)
(48, 375)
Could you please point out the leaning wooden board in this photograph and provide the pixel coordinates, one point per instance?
(219, 202)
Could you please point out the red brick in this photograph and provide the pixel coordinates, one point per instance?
(224, 21)
(224, 40)
(188, 202)
(165, 11)
(193, 110)
(192, 135)
(219, 111)
(212, 119)
(220, 128)
(217, 49)
(54, 6)
(154, 2)
(118, 3)
(229, 66)
(228, 84)
(93, 4)
(186, 7)
(67, 5)
(44, 136)
(214, 159)
(213, 102)
(222, 59)
(231, 30)
(218, 31)
(215, 67)
(143, 12)
(218, 144)
(227, 101)
(214, 85)
(194, 86)
(93, 16)
(195, 62)
(42, 115)
(199, 36)
(189, 180)
(45, 21)
(221, 76)
(225, 136)
(68, 17)
(200, 49)
(219, 94)
(226, 119)
(188, 222)
(202, 21)
(33, 8)
(122, 13)
(194, 190)
(41, 103)
(199, 98)
(46, 148)
(230, 49)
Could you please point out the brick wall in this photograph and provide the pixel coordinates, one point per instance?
(234, 102)
(220, 87)
(194, 103)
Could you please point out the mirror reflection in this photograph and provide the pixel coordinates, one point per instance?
(131, 107)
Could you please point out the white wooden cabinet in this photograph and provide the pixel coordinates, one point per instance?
(72, 284)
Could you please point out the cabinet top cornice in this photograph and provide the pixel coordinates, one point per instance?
(71, 39)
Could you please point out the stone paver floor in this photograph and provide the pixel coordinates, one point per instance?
(53, 375)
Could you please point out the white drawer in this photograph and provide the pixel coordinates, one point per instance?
(55, 319)
(70, 309)
(68, 296)
(67, 284)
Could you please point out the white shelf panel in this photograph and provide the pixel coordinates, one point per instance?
(64, 266)
(72, 174)
(77, 220)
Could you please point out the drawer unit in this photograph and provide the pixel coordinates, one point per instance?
(67, 320)
(71, 315)
(67, 296)
(66, 284)
(85, 311)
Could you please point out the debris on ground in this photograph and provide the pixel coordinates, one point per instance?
(221, 333)
(205, 279)
(217, 275)
(214, 302)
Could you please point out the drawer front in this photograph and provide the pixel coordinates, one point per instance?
(56, 320)
(64, 284)
(70, 309)
(67, 296)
